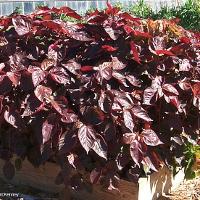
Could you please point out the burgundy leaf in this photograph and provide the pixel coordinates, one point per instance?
(14, 77)
(139, 112)
(116, 64)
(135, 52)
(47, 128)
(95, 175)
(128, 120)
(47, 64)
(105, 70)
(148, 95)
(72, 66)
(38, 76)
(13, 118)
(133, 81)
(68, 117)
(128, 138)
(170, 89)
(150, 137)
(90, 140)
(43, 93)
(136, 152)
(22, 25)
(59, 75)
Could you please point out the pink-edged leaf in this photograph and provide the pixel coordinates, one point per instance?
(38, 76)
(109, 48)
(105, 70)
(164, 52)
(133, 81)
(116, 64)
(14, 77)
(121, 78)
(43, 93)
(22, 25)
(150, 137)
(111, 32)
(147, 161)
(68, 117)
(148, 95)
(128, 120)
(72, 66)
(134, 51)
(47, 64)
(13, 117)
(89, 139)
(95, 175)
(136, 152)
(185, 65)
(170, 90)
(60, 75)
(47, 130)
(128, 138)
(139, 112)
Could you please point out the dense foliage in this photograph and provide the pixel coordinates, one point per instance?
(113, 95)
(188, 13)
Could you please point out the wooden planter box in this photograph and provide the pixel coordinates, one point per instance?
(149, 188)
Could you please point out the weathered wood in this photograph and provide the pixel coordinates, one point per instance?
(149, 188)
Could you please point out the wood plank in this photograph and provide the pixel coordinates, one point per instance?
(148, 188)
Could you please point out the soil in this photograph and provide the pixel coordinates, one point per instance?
(189, 190)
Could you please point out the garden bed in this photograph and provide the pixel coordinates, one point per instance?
(43, 178)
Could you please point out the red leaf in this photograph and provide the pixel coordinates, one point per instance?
(109, 48)
(86, 68)
(68, 117)
(185, 40)
(148, 95)
(164, 52)
(150, 137)
(134, 52)
(141, 34)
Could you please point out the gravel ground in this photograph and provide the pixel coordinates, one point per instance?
(189, 190)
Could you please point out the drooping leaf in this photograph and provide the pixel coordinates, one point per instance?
(139, 112)
(90, 140)
(136, 152)
(150, 137)
(128, 120)
(43, 93)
